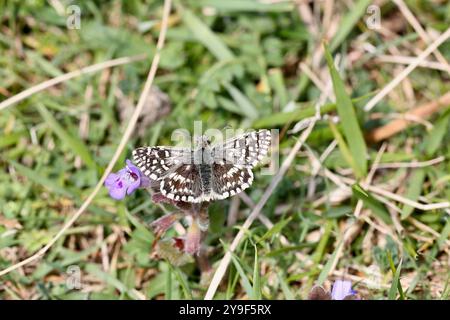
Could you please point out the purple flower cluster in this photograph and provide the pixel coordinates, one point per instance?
(125, 181)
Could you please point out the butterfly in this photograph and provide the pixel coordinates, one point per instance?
(208, 172)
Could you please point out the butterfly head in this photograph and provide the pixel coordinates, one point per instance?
(203, 142)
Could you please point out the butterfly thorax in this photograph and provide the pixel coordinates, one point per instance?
(203, 159)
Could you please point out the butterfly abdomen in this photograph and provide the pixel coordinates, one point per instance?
(205, 176)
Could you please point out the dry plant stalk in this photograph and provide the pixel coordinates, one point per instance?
(67, 76)
(398, 125)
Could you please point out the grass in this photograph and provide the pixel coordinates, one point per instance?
(229, 64)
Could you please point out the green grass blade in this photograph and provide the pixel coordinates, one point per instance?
(256, 277)
(320, 248)
(110, 280)
(288, 294)
(77, 145)
(445, 233)
(182, 281)
(41, 180)
(396, 285)
(327, 267)
(373, 204)
(347, 115)
(168, 293)
(343, 147)
(446, 292)
(433, 140)
(348, 22)
(276, 81)
(246, 6)
(275, 229)
(242, 101)
(413, 190)
(281, 118)
(245, 281)
(204, 35)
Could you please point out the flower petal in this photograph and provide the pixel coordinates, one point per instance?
(117, 193)
(111, 179)
(341, 289)
(133, 186)
(132, 167)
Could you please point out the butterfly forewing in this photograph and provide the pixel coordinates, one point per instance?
(246, 150)
(157, 162)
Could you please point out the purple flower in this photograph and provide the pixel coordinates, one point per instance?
(125, 181)
(342, 289)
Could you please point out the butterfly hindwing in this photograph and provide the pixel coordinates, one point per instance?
(183, 184)
(228, 180)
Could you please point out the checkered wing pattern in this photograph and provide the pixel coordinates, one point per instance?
(246, 150)
(183, 184)
(157, 162)
(234, 161)
(230, 172)
(228, 180)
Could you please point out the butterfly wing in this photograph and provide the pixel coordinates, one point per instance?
(181, 180)
(234, 161)
(183, 184)
(228, 180)
(157, 162)
(246, 150)
(319, 293)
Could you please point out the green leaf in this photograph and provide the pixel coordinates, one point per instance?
(396, 285)
(413, 190)
(347, 115)
(373, 204)
(204, 35)
(433, 140)
(281, 118)
(327, 267)
(242, 101)
(246, 5)
(288, 294)
(245, 281)
(76, 144)
(256, 277)
(357, 10)
(275, 229)
(343, 147)
(39, 179)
